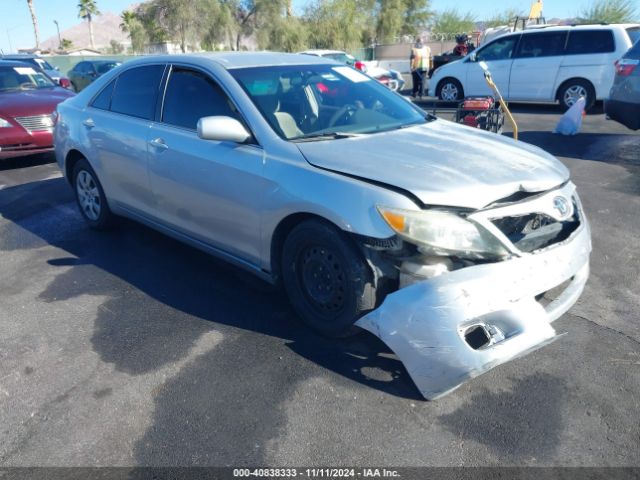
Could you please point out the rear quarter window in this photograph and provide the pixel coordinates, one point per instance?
(103, 99)
(590, 41)
(634, 35)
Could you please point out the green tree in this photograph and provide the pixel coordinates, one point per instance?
(416, 16)
(66, 44)
(390, 20)
(132, 25)
(87, 9)
(609, 11)
(339, 24)
(287, 34)
(115, 47)
(34, 21)
(506, 17)
(450, 22)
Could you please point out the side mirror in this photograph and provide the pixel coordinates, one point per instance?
(473, 57)
(222, 129)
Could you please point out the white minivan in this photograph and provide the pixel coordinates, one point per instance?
(555, 63)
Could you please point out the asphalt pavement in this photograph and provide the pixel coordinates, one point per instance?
(128, 348)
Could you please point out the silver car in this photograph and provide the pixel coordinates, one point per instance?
(456, 247)
(623, 104)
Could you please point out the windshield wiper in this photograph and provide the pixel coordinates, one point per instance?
(309, 137)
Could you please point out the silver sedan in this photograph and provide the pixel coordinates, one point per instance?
(456, 247)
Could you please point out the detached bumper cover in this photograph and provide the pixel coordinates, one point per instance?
(425, 323)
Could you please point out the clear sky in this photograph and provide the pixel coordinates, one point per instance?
(16, 29)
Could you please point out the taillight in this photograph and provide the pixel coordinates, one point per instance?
(626, 66)
(65, 83)
(360, 66)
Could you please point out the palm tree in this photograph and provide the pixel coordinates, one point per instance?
(127, 19)
(87, 9)
(34, 20)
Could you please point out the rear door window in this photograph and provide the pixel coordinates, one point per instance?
(546, 44)
(590, 41)
(136, 91)
(192, 95)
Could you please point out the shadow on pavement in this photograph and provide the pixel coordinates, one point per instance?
(162, 296)
(26, 161)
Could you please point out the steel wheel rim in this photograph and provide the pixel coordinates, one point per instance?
(449, 92)
(573, 94)
(88, 195)
(322, 278)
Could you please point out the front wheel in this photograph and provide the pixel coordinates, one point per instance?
(326, 277)
(571, 92)
(90, 196)
(450, 90)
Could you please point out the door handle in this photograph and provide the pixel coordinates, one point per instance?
(89, 123)
(158, 143)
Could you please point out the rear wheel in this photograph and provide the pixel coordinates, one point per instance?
(571, 91)
(326, 277)
(90, 196)
(450, 90)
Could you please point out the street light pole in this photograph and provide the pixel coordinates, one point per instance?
(59, 39)
(9, 38)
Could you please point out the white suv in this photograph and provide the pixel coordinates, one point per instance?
(557, 63)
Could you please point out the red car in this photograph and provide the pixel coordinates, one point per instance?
(28, 97)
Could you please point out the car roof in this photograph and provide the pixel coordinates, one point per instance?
(231, 60)
(323, 52)
(17, 56)
(14, 63)
(102, 61)
(556, 28)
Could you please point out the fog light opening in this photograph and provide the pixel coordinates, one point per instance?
(477, 337)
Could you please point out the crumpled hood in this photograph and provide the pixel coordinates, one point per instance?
(442, 163)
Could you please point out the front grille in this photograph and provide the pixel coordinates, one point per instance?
(36, 123)
(535, 230)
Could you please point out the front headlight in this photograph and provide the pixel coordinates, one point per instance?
(4, 123)
(438, 232)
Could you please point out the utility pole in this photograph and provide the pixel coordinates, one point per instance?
(9, 38)
(59, 39)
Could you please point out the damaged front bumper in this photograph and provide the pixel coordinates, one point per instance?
(458, 325)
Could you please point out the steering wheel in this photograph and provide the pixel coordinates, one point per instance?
(344, 113)
(27, 85)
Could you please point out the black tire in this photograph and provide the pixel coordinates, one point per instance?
(82, 172)
(327, 279)
(569, 89)
(449, 85)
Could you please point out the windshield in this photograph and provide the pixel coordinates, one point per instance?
(23, 78)
(340, 57)
(43, 64)
(303, 101)
(105, 67)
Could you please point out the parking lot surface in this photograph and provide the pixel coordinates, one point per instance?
(128, 348)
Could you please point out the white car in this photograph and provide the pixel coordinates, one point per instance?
(556, 63)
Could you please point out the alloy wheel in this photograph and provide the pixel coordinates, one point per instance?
(449, 92)
(573, 94)
(88, 195)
